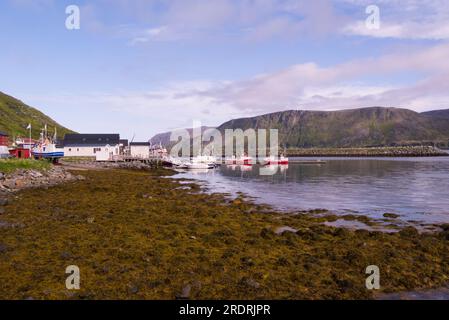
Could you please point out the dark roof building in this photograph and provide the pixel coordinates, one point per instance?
(124, 142)
(140, 144)
(4, 141)
(74, 139)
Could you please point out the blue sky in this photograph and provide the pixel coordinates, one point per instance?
(145, 66)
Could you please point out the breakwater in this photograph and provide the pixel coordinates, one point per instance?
(411, 151)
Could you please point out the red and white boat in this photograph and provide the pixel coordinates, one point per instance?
(242, 160)
(275, 160)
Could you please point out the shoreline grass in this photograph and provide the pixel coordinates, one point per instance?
(138, 235)
(11, 165)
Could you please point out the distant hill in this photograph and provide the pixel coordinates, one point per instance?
(364, 127)
(375, 126)
(164, 138)
(15, 116)
(437, 114)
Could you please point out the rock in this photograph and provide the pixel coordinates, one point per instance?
(3, 202)
(90, 220)
(134, 289)
(9, 183)
(185, 294)
(2, 211)
(409, 232)
(249, 282)
(2, 175)
(20, 183)
(35, 174)
(266, 233)
(3, 248)
(391, 215)
(282, 230)
(66, 255)
(247, 261)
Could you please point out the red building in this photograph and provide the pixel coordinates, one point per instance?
(20, 153)
(4, 139)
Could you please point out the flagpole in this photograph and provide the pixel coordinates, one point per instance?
(30, 141)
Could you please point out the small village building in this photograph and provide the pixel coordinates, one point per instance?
(124, 146)
(20, 153)
(88, 145)
(4, 139)
(140, 150)
(4, 152)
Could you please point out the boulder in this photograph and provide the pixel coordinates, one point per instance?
(185, 293)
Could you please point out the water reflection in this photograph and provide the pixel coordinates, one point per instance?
(414, 188)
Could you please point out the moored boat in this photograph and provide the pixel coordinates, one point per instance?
(241, 160)
(198, 165)
(46, 148)
(209, 160)
(271, 160)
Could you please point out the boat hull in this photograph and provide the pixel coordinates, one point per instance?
(277, 162)
(48, 155)
(198, 166)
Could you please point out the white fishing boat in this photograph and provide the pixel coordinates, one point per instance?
(198, 166)
(209, 160)
(46, 148)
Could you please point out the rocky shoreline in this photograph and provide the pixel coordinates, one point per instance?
(96, 165)
(26, 178)
(411, 151)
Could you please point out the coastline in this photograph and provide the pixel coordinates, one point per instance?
(412, 151)
(141, 235)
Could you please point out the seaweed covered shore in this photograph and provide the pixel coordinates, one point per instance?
(141, 235)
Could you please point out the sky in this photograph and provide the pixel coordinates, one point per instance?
(140, 67)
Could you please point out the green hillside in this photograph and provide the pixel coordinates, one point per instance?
(16, 115)
(363, 127)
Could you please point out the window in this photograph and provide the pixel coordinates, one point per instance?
(70, 149)
(97, 150)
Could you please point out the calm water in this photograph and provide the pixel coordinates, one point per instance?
(415, 188)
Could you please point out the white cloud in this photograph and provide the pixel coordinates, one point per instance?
(303, 86)
(243, 19)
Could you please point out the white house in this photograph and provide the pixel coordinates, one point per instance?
(89, 145)
(140, 149)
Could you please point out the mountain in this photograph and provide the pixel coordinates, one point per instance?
(437, 114)
(16, 115)
(164, 138)
(375, 126)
